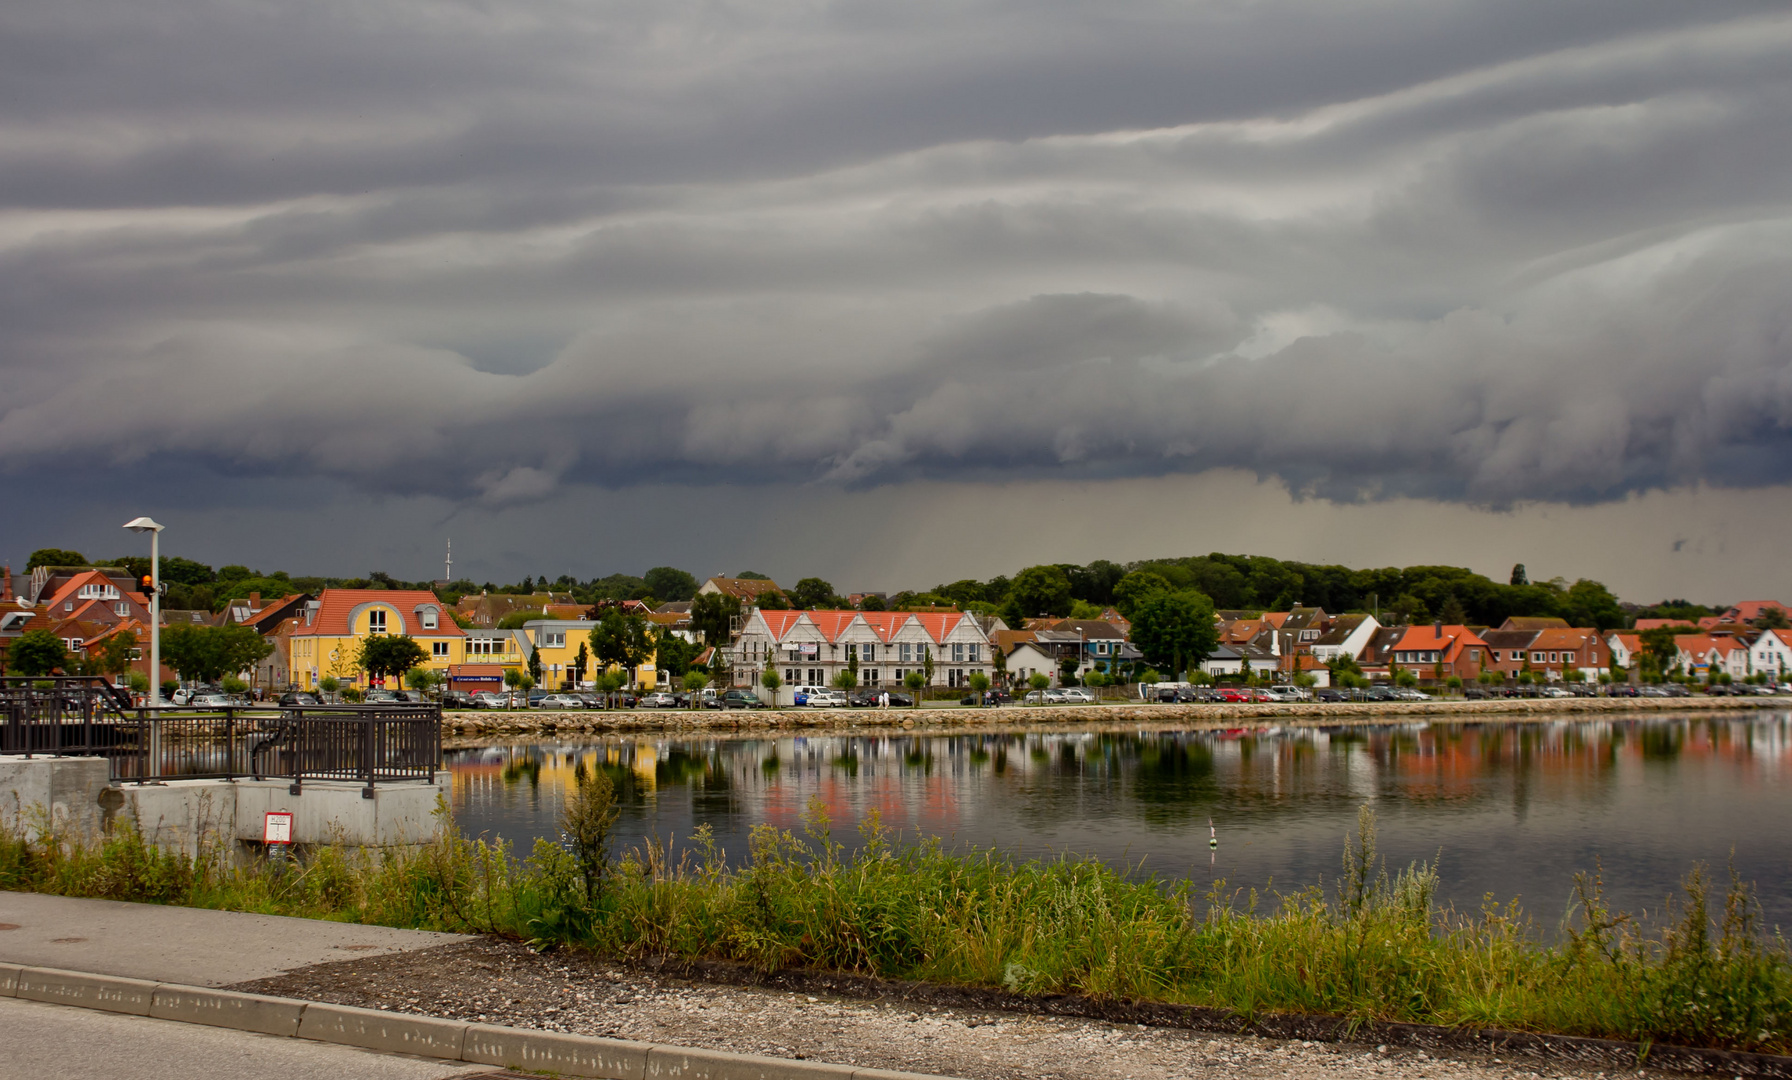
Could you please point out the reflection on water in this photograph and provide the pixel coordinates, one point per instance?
(1514, 808)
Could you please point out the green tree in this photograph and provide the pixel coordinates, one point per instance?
(37, 652)
(1406, 678)
(516, 620)
(1039, 680)
(712, 615)
(1519, 577)
(979, 685)
(420, 679)
(1773, 617)
(621, 640)
(208, 653)
(915, 681)
(514, 680)
(671, 652)
(581, 664)
(753, 575)
(771, 680)
(670, 583)
(694, 682)
(535, 664)
(1137, 587)
(846, 680)
(179, 571)
(1035, 591)
(927, 663)
(811, 593)
(1175, 630)
(116, 657)
(1659, 649)
(54, 557)
(390, 655)
(1453, 613)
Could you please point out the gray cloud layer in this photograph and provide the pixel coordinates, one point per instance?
(1472, 252)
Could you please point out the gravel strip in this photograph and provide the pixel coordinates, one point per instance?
(503, 982)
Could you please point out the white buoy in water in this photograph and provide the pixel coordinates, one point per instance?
(1213, 836)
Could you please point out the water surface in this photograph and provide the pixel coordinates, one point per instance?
(1509, 809)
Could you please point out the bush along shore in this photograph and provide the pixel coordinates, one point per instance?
(540, 721)
(1370, 946)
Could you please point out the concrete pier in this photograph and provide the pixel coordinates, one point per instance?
(74, 796)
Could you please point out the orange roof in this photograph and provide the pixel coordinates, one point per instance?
(1559, 640)
(1275, 618)
(336, 605)
(885, 624)
(1750, 610)
(1450, 643)
(91, 577)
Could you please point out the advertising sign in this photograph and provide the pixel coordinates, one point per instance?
(811, 650)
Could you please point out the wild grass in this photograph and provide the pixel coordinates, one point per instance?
(1370, 945)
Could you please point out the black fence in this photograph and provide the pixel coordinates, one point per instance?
(76, 716)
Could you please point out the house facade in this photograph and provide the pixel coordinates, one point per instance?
(811, 648)
(325, 641)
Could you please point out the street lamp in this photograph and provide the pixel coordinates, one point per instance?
(145, 525)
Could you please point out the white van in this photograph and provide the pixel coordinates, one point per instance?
(802, 692)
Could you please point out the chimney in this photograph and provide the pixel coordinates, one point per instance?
(1440, 628)
(5, 583)
(254, 601)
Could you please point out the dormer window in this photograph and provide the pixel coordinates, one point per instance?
(429, 619)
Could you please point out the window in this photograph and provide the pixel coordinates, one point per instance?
(790, 676)
(906, 653)
(136, 654)
(74, 644)
(1309, 635)
(972, 650)
(122, 608)
(429, 619)
(1537, 657)
(957, 654)
(868, 652)
(438, 649)
(870, 675)
(553, 639)
(376, 621)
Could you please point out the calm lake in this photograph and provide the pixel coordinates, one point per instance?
(1511, 809)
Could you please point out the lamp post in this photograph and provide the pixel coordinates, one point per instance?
(145, 525)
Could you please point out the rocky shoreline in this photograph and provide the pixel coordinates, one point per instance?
(539, 722)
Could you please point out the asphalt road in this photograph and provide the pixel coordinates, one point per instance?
(58, 1042)
(191, 946)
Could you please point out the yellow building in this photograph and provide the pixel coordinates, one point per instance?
(557, 642)
(326, 637)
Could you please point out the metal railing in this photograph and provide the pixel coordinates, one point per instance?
(76, 716)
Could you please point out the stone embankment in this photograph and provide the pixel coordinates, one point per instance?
(955, 717)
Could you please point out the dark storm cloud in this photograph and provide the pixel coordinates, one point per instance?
(1472, 253)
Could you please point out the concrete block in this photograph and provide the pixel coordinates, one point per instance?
(330, 811)
(372, 1029)
(179, 814)
(225, 1009)
(887, 1074)
(108, 992)
(681, 1063)
(9, 979)
(550, 1052)
(69, 789)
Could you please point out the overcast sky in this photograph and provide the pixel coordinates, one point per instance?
(904, 291)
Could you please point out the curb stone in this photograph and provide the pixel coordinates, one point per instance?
(422, 1036)
(110, 993)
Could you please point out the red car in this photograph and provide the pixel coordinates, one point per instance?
(1232, 694)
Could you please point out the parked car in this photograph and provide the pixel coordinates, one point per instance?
(1044, 697)
(1079, 695)
(1333, 694)
(559, 701)
(1287, 693)
(458, 699)
(659, 699)
(825, 699)
(591, 698)
(1380, 693)
(299, 699)
(738, 699)
(903, 701)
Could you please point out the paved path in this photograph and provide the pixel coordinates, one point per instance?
(192, 946)
(66, 1043)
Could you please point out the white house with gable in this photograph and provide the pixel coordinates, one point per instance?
(811, 648)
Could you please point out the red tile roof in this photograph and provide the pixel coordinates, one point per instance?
(336, 605)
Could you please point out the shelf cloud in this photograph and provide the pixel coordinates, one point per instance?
(1475, 254)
